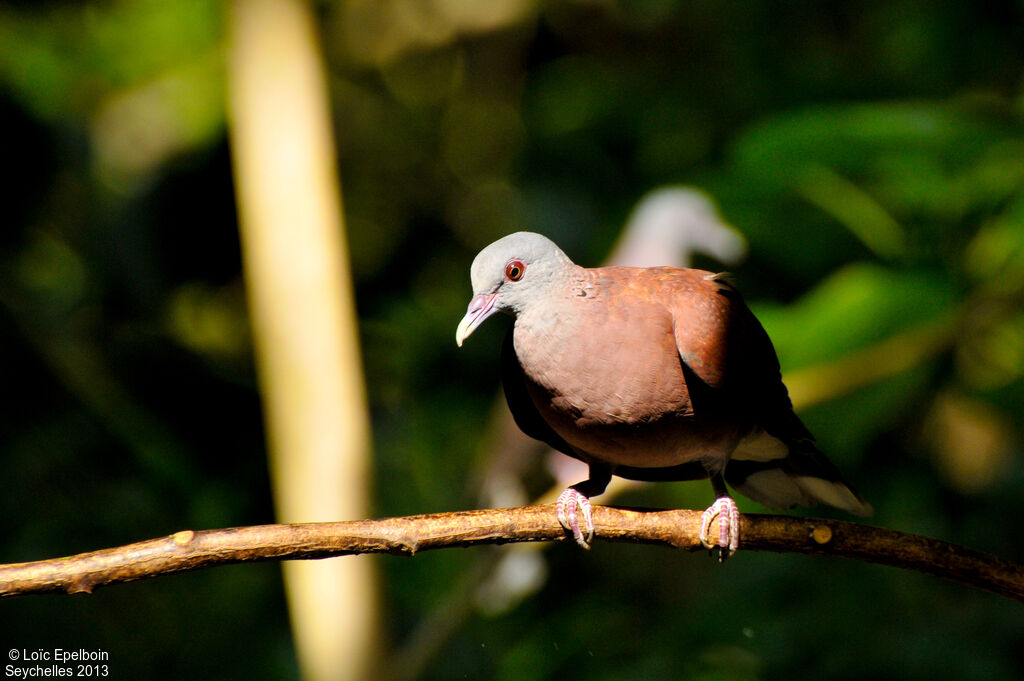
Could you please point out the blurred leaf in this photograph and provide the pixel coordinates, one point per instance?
(574, 93)
(425, 78)
(209, 321)
(995, 256)
(858, 305)
(854, 208)
(992, 355)
(481, 137)
(51, 269)
(59, 60)
(382, 30)
(853, 136)
(135, 130)
(857, 349)
(971, 441)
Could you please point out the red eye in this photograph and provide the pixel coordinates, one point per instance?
(515, 269)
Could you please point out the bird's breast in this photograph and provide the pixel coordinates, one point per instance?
(604, 363)
(608, 379)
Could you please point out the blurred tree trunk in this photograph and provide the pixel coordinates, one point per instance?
(303, 319)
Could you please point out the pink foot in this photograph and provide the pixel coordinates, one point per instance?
(728, 515)
(569, 502)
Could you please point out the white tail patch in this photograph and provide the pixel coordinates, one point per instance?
(777, 489)
(773, 488)
(832, 493)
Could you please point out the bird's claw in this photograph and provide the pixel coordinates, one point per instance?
(728, 515)
(569, 502)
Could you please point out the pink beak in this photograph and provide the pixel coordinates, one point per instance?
(480, 308)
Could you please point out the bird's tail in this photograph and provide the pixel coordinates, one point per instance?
(803, 477)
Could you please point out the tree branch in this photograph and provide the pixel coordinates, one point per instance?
(191, 550)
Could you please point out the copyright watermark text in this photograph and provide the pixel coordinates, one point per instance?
(42, 663)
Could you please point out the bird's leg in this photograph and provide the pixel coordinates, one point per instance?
(728, 515)
(577, 499)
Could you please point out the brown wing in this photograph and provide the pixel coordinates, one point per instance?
(729, 353)
(803, 475)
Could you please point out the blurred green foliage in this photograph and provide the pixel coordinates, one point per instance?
(872, 154)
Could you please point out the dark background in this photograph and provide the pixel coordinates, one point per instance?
(872, 153)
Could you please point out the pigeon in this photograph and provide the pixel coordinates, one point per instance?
(654, 374)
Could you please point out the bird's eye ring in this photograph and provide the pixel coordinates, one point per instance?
(515, 269)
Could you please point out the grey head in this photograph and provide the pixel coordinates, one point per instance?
(509, 275)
